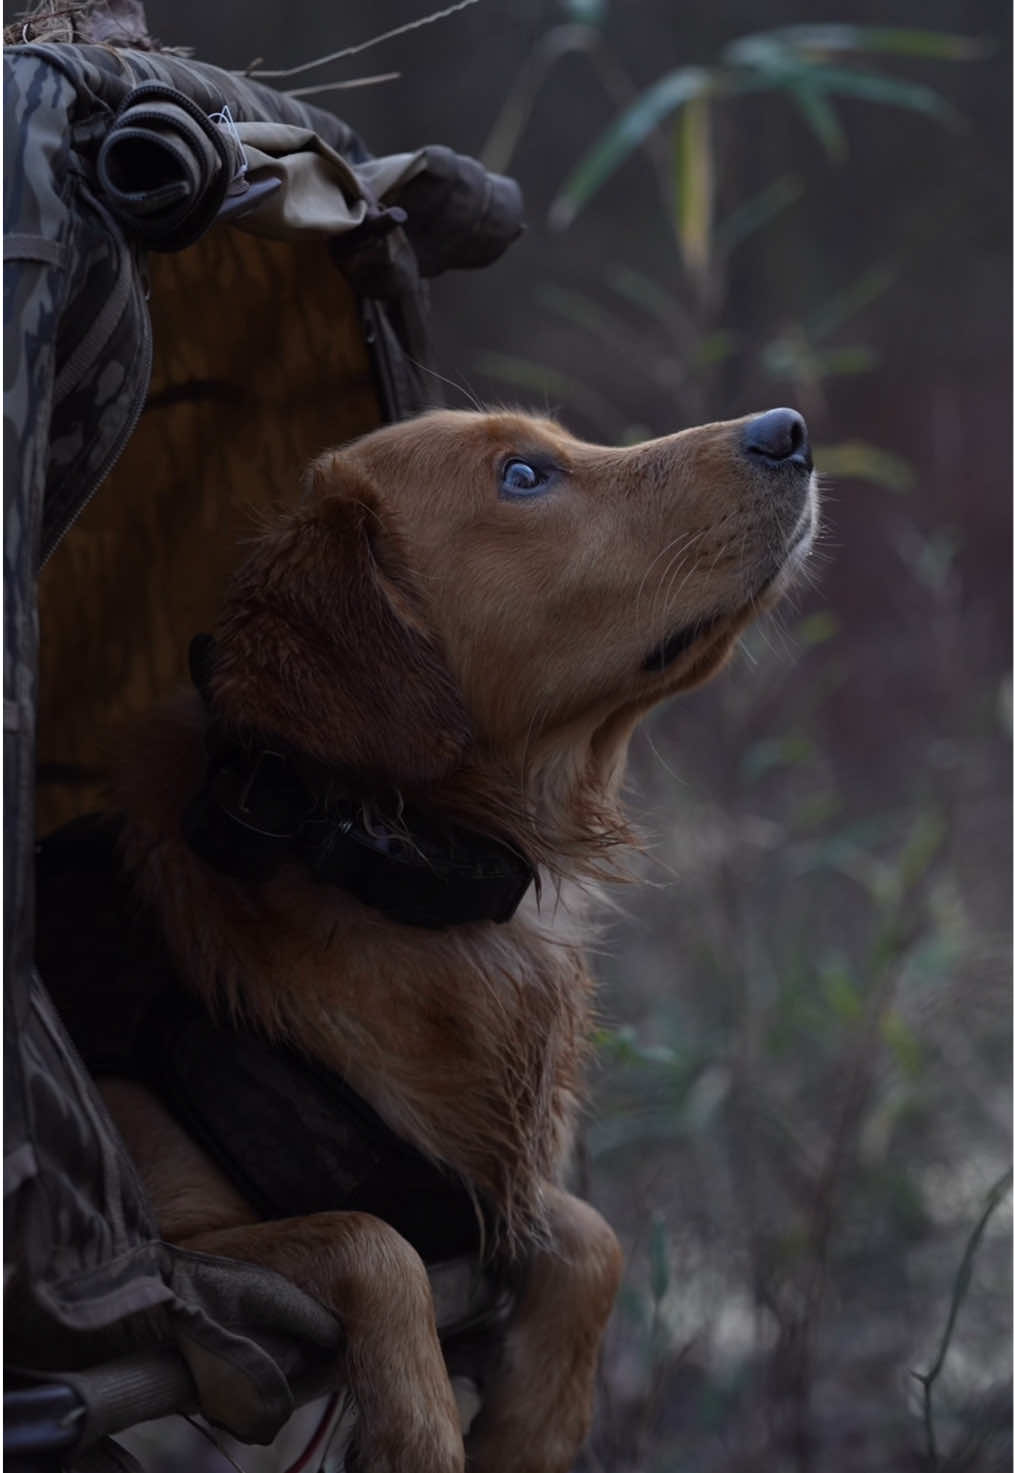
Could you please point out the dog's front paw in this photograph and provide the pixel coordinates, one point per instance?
(517, 1443)
(420, 1442)
(537, 1407)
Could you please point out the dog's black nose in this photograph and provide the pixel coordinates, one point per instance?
(779, 435)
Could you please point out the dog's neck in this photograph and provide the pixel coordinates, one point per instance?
(263, 803)
(468, 851)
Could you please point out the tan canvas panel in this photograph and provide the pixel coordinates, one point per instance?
(259, 363)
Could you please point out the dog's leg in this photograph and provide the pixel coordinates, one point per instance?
(537, 1408)
(375, 1284)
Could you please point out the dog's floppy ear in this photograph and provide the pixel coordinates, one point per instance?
(323, 642)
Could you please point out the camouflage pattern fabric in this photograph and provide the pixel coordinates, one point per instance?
(89, 1279)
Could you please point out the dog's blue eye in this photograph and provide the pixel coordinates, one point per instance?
(518, 478)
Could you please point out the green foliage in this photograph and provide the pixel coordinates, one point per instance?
(893, 40)
(848, 303)
(757, 211)
(586, 12)
(807, 1056)
(694, 185)
(674, 121)
(773, 752)
(626, 134)
(816, 628)
(903, 1044)
(791, 61)
(930, 556)
(541, 382)
(800, 1066)
(658, 1257)
(854, 460)
(642, 292)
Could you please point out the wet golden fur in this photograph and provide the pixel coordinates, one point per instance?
(483, 656)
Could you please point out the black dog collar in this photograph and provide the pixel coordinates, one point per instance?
(255, 811)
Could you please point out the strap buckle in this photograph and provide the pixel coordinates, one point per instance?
(245, 817)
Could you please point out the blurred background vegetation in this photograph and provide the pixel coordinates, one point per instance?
(800, 1119)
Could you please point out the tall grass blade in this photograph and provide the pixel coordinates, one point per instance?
(855, 460)
(845, 305)
(627, 133)
(888, 40)
(694, 186)
(548, 384)
(515, 115)
(822, 118)
(641, 291)
(575, 307)
(658, 1254)
(873, 87)
(757, 212)
(586, 12)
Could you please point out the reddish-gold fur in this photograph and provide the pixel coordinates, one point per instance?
(485, 658)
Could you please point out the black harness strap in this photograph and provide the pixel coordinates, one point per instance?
(293, 1137)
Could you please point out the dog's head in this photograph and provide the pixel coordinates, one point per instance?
(464, 583)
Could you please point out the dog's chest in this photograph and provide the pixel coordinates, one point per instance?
(468, 1042)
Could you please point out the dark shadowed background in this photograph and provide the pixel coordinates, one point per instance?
(800, 1105)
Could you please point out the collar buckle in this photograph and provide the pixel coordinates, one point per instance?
(244, 819)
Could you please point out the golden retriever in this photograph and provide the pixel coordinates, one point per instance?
(465, 618)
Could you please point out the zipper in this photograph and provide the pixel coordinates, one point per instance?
(137, 408)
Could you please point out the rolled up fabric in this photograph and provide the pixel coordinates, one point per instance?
(165, 166)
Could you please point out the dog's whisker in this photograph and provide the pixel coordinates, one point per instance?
(662, 762)
(462, 388)
(662, 599)
(675, 546)
(672, 594)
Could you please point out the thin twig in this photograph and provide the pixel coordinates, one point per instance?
(412, 25)
(994, 1197)
(513, 117)
(898, 933)
(342, 86)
